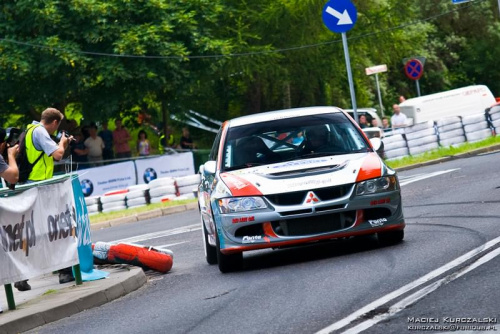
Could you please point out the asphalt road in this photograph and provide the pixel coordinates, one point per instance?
(447, 268)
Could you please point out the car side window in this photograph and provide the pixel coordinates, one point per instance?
(215, 148)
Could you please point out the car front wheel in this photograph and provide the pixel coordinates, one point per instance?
(228, 262)
(210, 251)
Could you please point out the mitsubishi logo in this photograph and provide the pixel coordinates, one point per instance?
(311, 198)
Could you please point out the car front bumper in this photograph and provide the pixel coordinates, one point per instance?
(287, 225)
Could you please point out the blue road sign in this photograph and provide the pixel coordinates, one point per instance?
(339, 15)
(459, 1)
(414, 69)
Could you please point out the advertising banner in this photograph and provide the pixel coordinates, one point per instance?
(172, 165)
(37, 232)
(99, 180)
(84, 238)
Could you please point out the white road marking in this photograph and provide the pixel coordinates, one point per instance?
(419, 177)
(174, 244)
(422, 280)
(412, 299)
(160, 234)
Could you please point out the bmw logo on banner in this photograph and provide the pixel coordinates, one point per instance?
(87, 187)
(149, 175)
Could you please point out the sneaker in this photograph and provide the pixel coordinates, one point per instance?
(22, 285)
(65, 278)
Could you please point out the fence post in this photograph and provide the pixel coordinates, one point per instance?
(10, 297)
(78, 274)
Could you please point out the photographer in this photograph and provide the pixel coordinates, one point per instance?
(8, 170)
(39, 143)
(40, 146)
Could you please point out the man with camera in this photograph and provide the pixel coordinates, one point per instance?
(8, 169)
(40, 145)
(42, 150)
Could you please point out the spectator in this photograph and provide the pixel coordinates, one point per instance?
(385, 123)
(79, 152)
(398, 120)
(8, 170)
(143, 144)
(39, 144)
(186, 141)
(374, 123)
(166, 141)
(402, 99)
(107, 138)
(120, 140)
(85, 132)
(95, 145)
(363, 123)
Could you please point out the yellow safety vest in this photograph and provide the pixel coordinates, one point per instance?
(44, 168)
(161, 148)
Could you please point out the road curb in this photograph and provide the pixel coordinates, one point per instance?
(451, 157)
(71, 300)
(156, 213)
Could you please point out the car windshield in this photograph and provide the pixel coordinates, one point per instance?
(290, 139)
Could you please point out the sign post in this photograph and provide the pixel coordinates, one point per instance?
(376, 70)
(414, 70)
(339, 16)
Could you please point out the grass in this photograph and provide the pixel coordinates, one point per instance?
(49, 292)
(101, 217)
(442, 152)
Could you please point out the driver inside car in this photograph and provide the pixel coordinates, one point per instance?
(253, 150)
(317, 140)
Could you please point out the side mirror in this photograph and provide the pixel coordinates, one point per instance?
(209, 168)
(376, 143)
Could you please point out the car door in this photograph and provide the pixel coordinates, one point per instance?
(207, 187)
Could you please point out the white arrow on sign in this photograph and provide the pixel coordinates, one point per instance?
(344, 18)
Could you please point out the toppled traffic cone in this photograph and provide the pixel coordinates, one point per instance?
(145, 257)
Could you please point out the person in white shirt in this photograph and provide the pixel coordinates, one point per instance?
(398, 120)
(95, 145)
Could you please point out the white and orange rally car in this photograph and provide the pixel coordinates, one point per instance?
(291, 177)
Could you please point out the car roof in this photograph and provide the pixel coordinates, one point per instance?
(281, 114)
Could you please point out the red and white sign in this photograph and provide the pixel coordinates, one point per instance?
(376, 69)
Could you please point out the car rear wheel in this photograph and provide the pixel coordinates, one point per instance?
(210, 251)
(228, 262)
(390, 237)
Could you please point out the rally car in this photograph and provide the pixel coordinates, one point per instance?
(290, 177)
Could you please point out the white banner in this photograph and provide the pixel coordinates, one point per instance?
(171, 165)
(37, 232)
(99, 180)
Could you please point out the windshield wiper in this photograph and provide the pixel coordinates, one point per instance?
(319, 154)
(246, 165)
(361, 150)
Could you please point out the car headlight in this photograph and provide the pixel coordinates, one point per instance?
(386, 183)
(240, 204)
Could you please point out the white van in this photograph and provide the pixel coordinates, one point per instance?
(457, 102)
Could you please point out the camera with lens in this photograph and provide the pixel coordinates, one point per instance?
(59, 135)
(11, 139)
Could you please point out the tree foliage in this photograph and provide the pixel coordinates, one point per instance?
(226, 58)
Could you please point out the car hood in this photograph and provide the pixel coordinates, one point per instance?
(303, 174)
